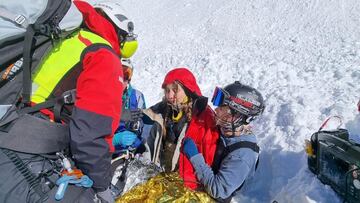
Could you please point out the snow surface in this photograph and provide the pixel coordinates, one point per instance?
(304, 56)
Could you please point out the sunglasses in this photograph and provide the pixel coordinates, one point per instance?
(221, 97)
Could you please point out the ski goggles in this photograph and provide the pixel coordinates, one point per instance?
(128, 45)
(127, 71)
(222, 97)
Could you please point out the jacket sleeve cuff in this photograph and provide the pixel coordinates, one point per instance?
(197, 160)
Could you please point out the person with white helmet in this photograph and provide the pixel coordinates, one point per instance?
(83, 76)
(128, 137)
(99, 106)
(125, 28)
(74, 94)
(130, 128)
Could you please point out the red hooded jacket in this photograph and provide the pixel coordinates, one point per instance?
(201, 129)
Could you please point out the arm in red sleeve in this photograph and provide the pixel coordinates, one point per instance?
(96, 114)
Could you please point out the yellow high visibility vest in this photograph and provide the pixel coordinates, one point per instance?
(62, 58)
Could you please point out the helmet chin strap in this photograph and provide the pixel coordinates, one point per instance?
(233, 128)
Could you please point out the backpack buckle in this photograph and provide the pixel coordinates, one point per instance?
(69, 97)
(20, 20)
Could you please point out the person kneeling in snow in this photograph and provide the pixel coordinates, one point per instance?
(237, 151)
(127, 136)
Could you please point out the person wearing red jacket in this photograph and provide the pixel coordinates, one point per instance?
(77, 88)
(96, 114)
(182, 113)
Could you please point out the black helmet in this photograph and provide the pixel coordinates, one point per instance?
(241, 99)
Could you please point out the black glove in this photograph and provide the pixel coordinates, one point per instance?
(128, 115)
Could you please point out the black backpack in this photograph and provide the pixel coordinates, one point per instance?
(23, 45)
(28, 142)
(27, 40)
(335, 160)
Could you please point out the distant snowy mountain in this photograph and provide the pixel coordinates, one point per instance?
(304, 56)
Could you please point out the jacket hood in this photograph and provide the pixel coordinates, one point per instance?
(185, 77)
(98, 24)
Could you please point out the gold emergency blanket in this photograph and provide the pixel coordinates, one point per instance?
(163, 188)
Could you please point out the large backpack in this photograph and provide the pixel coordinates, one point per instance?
(29, 29)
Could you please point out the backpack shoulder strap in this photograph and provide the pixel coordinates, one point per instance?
(46, 24)
(243, 144)
(95, 47)
(228, 149)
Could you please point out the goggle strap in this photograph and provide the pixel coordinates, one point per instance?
(233, 126)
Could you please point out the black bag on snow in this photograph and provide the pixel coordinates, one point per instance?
(336, 161)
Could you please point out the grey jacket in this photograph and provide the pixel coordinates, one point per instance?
(235, 168)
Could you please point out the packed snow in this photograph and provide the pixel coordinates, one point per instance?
(303, 56)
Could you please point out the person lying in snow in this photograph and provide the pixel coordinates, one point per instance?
(237, 151)
(182, 113)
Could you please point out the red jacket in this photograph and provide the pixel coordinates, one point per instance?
(98, 101)
(201, 129)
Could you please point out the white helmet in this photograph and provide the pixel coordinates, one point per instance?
(128, 69)
(117, 14)
(126, 62)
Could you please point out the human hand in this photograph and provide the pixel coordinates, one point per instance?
(124, 138)
(189, 148)
(128, 115)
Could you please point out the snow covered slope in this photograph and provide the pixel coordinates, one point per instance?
(304, 56)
